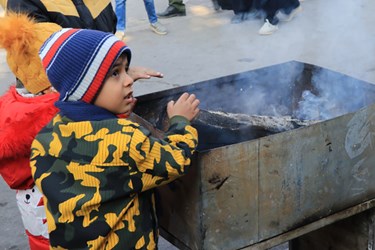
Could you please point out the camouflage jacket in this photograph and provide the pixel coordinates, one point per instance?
(98, 179)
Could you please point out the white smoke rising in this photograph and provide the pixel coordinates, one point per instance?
(294, 89)
(333, 95)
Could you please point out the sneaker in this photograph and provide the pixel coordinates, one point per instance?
(158, 28)
(267, 28)
(293, 13)
(120, 35)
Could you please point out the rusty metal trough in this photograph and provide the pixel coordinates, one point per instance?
(247, 188)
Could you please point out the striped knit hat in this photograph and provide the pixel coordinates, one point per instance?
(77, 61)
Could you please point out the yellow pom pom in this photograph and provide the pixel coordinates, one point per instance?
(22, 38)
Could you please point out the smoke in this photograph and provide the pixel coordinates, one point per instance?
(265, 91)
(294, 89)
(333, 94)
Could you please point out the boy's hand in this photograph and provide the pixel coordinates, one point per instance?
(138, 72)
(186, 105)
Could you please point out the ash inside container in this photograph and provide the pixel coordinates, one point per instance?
(217, 128)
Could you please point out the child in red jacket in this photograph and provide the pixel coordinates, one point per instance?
(24, 110)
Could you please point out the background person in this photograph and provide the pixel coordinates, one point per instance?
(241, 9)
(88, 14)
(175, 8)
(271, 8)
(155, 25)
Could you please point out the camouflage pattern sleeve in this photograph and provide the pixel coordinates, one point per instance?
(162, 161)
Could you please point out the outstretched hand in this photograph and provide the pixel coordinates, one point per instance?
(138, 72)
(186, 105)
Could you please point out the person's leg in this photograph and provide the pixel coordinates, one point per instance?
(175, 8)
(150, 9)
(121, 15)
(155, 25)
(270, 8)
(240, 6)
(178, 4)
(289, 10)
(225, 4)
(289, 6)
(216, 5)
(257, 4)
(240, 9)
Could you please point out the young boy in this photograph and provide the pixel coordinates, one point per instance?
(97, 169)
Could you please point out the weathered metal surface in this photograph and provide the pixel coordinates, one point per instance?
(247, 190)
(356, 232)
(323, 224)
(182, 219)
(230, 211)
(307, 174)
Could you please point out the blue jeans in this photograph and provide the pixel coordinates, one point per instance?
(121, 13)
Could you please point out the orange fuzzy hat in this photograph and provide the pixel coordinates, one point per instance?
(22, 38)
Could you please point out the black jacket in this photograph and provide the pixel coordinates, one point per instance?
(96, 14)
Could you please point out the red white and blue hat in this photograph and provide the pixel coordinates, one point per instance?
(77, 61)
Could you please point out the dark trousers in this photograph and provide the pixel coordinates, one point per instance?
(178, 4)
(241, 6)
(271, 7)
(237, 6)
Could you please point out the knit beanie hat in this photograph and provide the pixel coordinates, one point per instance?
(22, 38)
(77, 61)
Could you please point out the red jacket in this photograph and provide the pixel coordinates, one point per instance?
(21, 118)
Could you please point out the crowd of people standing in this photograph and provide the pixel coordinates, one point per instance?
(270, 11)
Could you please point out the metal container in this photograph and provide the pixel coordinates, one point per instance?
(245, 189)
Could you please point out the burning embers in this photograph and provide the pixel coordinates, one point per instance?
(217, 128)
(272, 124)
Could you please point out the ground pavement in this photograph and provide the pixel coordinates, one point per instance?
(335, 34)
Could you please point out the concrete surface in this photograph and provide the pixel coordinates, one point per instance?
(335, 34)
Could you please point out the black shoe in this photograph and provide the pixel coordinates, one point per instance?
(171, 11)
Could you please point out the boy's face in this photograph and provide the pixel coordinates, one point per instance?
(116, 94)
